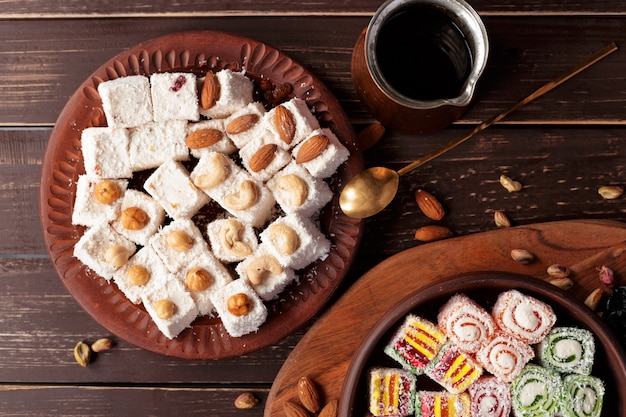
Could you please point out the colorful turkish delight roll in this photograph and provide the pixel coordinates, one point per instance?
(430, 404)
(490, 397)
(523, 316)
(392, 392)
(415, 343)
(583, 396)
(453, 369)
(504, 356)
(536, 392)
(568, 350)
(466, 323)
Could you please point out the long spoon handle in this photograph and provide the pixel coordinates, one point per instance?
(612, 47)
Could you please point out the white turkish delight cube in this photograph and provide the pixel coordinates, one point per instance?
(103, 250)
(246, 124)
(215, 174)
(231, 239)
(295, 241)
(174, 96)
(139, 218)
(141, 274)
(184, 309)
(326, 162)
(290, 124)
(126, 101)
(205, 266)
(263, 159)
(213, 129)
(105, 152)
(246, 312)
(90, 210)
(298, 192)
(154, 143)
(235, 92)
(265, 274)
(172, 188)
(178, 244)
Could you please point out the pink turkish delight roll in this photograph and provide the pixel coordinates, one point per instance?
(490, 397)
(504, 356)
(466, 323)
(523, 316)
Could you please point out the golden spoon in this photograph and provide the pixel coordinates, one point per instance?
(372, 190)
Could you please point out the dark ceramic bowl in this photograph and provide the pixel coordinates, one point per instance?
(610, 360)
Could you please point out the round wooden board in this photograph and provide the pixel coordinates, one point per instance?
(325, 352)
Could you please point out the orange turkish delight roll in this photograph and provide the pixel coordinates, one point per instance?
(415, 343)
(504, 356)
(392, 392)
(431, 403)
(453, 369)
(523, 316)
(466, 323)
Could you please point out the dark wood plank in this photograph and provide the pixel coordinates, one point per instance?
(38, 401)
(43, 62)
(39, 8)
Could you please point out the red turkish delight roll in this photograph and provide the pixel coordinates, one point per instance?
(490, 397)
(523, 316)
(415, 343)
(504, 356)
(466, 323)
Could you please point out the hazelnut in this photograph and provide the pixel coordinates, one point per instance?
(134, 218)
(239, 304)
(179, 240)
(198, 279)
(106, 192)
(284, 239)
(165, 309)
(138, 275)
(117, 255)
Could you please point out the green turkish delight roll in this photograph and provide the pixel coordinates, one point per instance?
(568, 350)
(536, 392)
(582, 396)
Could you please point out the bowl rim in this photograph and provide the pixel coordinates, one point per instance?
(579, 312)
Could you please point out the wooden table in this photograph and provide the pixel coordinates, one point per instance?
(561, 148)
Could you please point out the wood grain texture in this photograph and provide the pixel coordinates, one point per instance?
(350, 318)
(43, 62)
(77, 8)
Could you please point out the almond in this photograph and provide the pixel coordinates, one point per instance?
(202, 138)
(242, 123)
(263, 157)
(308, 394)
(432, 233)
(312, 148)
(329, 410)
(370, 135)
(294, 410)
(430, 206)
(210, 92)
(284, 123)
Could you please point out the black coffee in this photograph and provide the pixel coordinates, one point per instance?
(423, 54)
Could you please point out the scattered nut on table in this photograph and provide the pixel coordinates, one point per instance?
(308, 394)
(246, 400)
(522, 256)
(558, 271)
(610, 192)
(501, 219)
(510, 185)
(430, 206)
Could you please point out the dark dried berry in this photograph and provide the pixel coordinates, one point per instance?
(178, 83)
(615, 315)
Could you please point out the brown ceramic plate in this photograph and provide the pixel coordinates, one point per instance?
(610, 359)
(196, 52)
